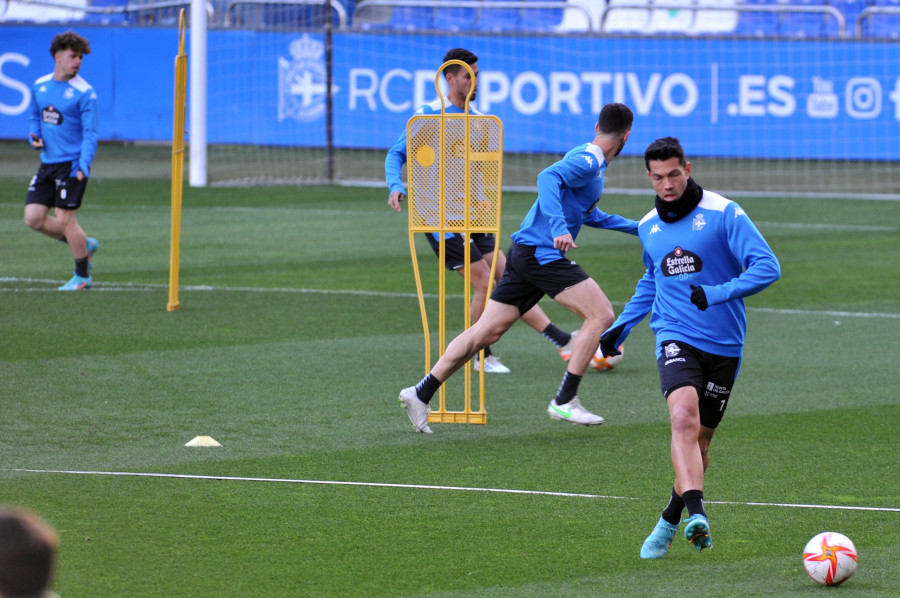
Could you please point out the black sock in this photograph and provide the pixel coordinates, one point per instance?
(487, 352)
(673, 510)
(555, 335)
(568, 388)
(693, 500)
(427, 387)
(81, 267)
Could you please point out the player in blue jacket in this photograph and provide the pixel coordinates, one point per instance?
(481, 252)
(63, 125)
(537, 265)
(703, 256)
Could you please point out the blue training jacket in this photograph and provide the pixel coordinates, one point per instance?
(715, 246)
(65, 115)
(568, 192)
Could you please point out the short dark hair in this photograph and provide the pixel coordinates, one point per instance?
(615, 119)
(69, 41)
(663, 149)
(458, 54)
(27, 553)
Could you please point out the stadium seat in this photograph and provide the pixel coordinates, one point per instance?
(289, 16)
(397, 18)
(455, 19)
(118, 18)
(412, 18)
(882, 25)
(689, 21)
(758, 24)
(541, 19)
(574, 20)
(850, 10)
(807, 25)
(499, 19)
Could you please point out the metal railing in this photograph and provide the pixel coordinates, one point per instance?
(872, 11)
(364, 6)
(474, 4)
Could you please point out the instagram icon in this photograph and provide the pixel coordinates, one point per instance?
(863, 96)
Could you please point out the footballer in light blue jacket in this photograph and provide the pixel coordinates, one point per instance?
(63, 125)
(703, 240)
(703, 256)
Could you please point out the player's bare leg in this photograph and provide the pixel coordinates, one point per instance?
(534, 317)
(479, 276)
(496, 319)
(63, 225)
(588, 301)
(494, 322)
(690, 457)
(687, 458)
(73, 232)
(37, 219)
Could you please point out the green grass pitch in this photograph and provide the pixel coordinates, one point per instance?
(298, 326)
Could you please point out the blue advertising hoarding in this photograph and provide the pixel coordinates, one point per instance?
(727, 98)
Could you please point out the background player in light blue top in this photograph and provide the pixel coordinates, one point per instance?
(703, 256)
(537, 265)
(63, 125)
(459, 83)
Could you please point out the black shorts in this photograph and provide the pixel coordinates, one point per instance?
(454, 250)
(55, 185)
(525, 281)
(712, 375)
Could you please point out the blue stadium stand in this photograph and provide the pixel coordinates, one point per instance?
(455, 19)
(120, 18)
(499, 20)
(541, 19)
(412, 18)
(807, 25)
(788, 24)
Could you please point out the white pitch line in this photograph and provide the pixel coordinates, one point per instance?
(830, 314)
(835, 227)
(322, 482)
(139, 286)
(432, 487)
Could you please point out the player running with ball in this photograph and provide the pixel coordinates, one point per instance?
(703, 256)
(538, 264)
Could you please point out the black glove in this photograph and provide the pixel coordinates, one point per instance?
(608, 341)
(698, 297)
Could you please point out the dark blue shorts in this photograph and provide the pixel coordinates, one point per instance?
(525, 281)
(454, 250)
(55, 186)
(712, 375)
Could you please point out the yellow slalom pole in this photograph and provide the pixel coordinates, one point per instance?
(178, 134)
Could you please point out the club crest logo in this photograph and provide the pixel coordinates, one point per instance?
(302, 81)
(672, 350)
(699, 222)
